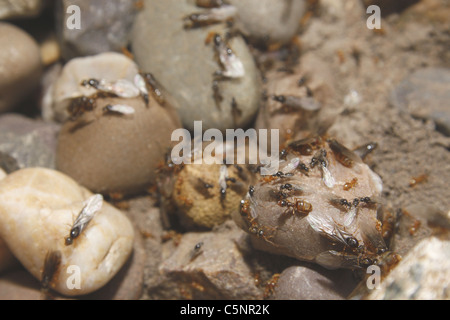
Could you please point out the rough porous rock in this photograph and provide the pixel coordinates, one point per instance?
(37, 210)
(26, 143)
(185, 65)
(105, 26)
(109, 66)
(304, 283)
(217, 270)
(206, 206)
(421, 275)
(13, 9)
(20, 66)
(111, 153)
(269, 21)
(298, 211)
(425, 95)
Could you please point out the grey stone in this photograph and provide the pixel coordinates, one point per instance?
(105, 26)
(303, 283)
(27, 143)
(421, 275)
(20, 66)
(270, 21)
(13, 9)
(215, 271)
(425, 94)
(184, 64)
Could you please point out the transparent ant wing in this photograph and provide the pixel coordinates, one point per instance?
(333, 260)
(91, 206)
(120, 108)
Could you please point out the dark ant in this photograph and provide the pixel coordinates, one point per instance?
(51, 265)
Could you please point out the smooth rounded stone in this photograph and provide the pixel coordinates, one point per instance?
(110, 153)
(422, 274)
(269, 21)
(425, 95)
(37, 210)
(217, 270)
(19, 284)
(109, 66)
(300, 213)
(185, 66)
(105, 26)
(20, 66)
(303, 283)
(26, 143)
(13, 9)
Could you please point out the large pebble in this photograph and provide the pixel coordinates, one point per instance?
(105, 26)
(27, 143)
(425, 95)
(269, 21)
(185, 65)
(110, 153)
(421, 275)
(300, 213)
(109, 66)
(37, 210)
(12, 9)
(20, 66)
(215, 270)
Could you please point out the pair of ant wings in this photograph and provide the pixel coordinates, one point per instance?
(121, 108)
(234, 68)
(223, 176)
(327, 227)
(91, 206)
(121, 88)
(334, 260)
(140, 83)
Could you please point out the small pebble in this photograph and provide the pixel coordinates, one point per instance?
(304, 283)
(43, 204)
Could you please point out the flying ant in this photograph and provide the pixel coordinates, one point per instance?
(343, 155)
(90, 208)
(51, 264)
(155, 86)
(232, 66)
(78, 106)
